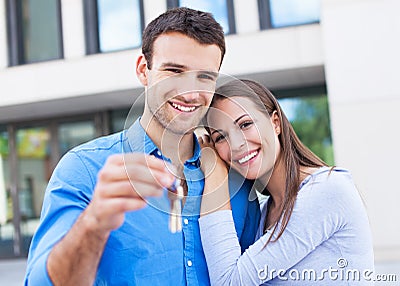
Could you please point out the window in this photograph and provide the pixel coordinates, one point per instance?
(71, 134)
(282, 13)
(118, 119)
(222, 11)
(307, 110)
(113, 25)
(34, 31)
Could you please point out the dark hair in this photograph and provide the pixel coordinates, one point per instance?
(294, 153)
(198, 25)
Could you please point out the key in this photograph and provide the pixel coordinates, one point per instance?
(175, 195)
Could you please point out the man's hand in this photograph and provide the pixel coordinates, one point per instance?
(123, 184)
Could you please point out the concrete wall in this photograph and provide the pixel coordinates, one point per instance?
(295, 51)
(362, 59)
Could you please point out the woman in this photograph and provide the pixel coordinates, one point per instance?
(313, 226)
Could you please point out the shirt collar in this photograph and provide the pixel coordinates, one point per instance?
(139, 141)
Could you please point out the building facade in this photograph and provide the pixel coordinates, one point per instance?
(67, 75)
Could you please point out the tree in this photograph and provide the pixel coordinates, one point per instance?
(312, 125)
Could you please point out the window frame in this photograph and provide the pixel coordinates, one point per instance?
(15, 34)
(231, 14)
(91, 21)
(265, 17)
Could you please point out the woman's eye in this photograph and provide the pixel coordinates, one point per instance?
(245, 124)
(219, 138)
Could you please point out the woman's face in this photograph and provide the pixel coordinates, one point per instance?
(245, 137)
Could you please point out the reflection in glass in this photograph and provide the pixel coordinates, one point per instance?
(218, 8)
(309, 116)
(72, 134)
(118, 119)
(40, 30)
(294, 12)
(34, 170)
(6, 212)
(120, 25)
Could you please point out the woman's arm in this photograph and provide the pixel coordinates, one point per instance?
(316, 217)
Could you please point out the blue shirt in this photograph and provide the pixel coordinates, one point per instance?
(142, 251)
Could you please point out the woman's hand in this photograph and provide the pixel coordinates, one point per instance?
(216, 189)
(211, 163)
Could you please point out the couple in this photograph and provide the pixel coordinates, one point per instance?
(103, 220)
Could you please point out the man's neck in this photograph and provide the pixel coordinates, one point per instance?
(177, 147)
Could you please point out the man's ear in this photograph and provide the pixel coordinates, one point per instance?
(276, 122)
(141, 69)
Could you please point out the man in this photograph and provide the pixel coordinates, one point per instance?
(104, 219)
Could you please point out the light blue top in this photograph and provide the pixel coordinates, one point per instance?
(142, 251)
(326, 242)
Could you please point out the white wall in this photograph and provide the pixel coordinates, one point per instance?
(362, 60)
(73, 28)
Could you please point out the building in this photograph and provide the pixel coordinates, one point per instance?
(67, 76)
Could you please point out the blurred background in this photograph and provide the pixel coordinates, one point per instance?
(67, 75)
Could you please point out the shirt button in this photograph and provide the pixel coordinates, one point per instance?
(158, 153)
(193, 163)
(189, 263)
(186, 221)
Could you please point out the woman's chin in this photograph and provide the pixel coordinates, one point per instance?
(248, 174)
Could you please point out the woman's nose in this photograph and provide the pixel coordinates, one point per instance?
(237, 141)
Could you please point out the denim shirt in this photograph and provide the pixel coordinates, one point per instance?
(142, 251)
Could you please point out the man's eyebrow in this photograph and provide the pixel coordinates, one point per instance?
(173, 65)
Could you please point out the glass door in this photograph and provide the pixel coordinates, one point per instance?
(34, 171)
(6, 207)
(28, 155)
(71, 134)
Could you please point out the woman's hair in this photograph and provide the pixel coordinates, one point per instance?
(294, 153)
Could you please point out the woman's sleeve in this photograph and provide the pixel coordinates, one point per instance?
(317, 215)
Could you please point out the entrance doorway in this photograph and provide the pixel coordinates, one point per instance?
(28, 155)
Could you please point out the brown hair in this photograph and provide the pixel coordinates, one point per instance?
(294, 153)
(198, 25)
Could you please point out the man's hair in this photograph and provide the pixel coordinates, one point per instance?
(198, 25)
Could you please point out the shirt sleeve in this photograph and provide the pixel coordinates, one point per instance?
(67, 195)
(321, 205)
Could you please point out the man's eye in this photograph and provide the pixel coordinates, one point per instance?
(206, 76)
(172, 70)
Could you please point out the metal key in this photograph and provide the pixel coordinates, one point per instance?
(175, 195)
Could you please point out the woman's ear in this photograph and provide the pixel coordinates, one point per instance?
(141, 69)
(276, 122)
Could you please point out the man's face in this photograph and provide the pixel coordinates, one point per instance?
(181, 81)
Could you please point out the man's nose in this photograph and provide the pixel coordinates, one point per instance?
(191, 96)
